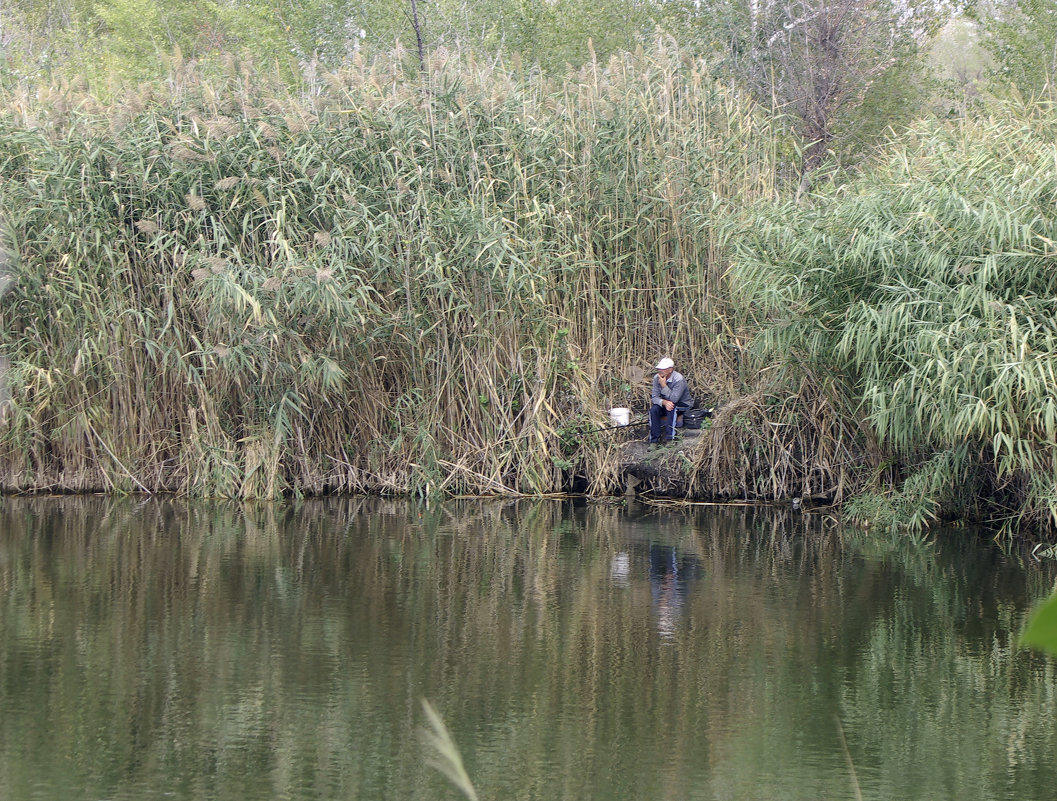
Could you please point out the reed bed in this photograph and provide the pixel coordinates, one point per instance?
(387, 281)
(926, 291)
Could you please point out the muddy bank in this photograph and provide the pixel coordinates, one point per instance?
(666, 469)
(684, 469)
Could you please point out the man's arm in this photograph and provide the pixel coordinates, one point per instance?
(678, 391)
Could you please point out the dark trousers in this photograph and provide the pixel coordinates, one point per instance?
(663, 422)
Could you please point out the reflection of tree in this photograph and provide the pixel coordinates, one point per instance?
(266, 649)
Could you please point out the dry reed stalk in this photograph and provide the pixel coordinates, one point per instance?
(529, 260)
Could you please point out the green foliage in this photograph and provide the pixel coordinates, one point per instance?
(134, 39)
(928, 289)
(890, 102)
(840, 72)
(774, 49)
(919, 500)
(1020, 39)
(960, 64)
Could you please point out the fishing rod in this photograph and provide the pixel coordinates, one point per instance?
(644, 421)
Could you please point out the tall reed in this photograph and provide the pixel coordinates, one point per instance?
(383, 282)
(927, 292)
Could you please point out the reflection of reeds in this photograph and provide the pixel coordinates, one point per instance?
(393, 294)
(281, 624)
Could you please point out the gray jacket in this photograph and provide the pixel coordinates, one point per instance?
(677, 391)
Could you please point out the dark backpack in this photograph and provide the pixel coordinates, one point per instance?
(693, 418)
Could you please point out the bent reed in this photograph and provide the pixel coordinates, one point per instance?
(389, 282)
(926, 293)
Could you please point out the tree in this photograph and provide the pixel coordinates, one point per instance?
(822, 61)
(128, 38)
(1021, 37)
(550, 34)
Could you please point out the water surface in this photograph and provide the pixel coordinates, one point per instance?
(162, 649)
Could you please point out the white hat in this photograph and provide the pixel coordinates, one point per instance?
(664, 364)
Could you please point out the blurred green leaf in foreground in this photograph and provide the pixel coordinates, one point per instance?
(1041, 631)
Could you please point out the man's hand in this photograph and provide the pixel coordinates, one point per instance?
(663, 379)
(668, 405)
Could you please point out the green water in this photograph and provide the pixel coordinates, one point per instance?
(161, 649)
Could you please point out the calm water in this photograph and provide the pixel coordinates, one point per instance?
(169, 650)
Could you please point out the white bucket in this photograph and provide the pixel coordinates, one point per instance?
(620, 416)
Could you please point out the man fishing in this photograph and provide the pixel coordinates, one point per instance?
(670, 398)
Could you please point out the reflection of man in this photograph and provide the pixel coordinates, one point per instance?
(668, 587)
(670, 398)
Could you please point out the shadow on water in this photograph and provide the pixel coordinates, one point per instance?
(576, 650)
